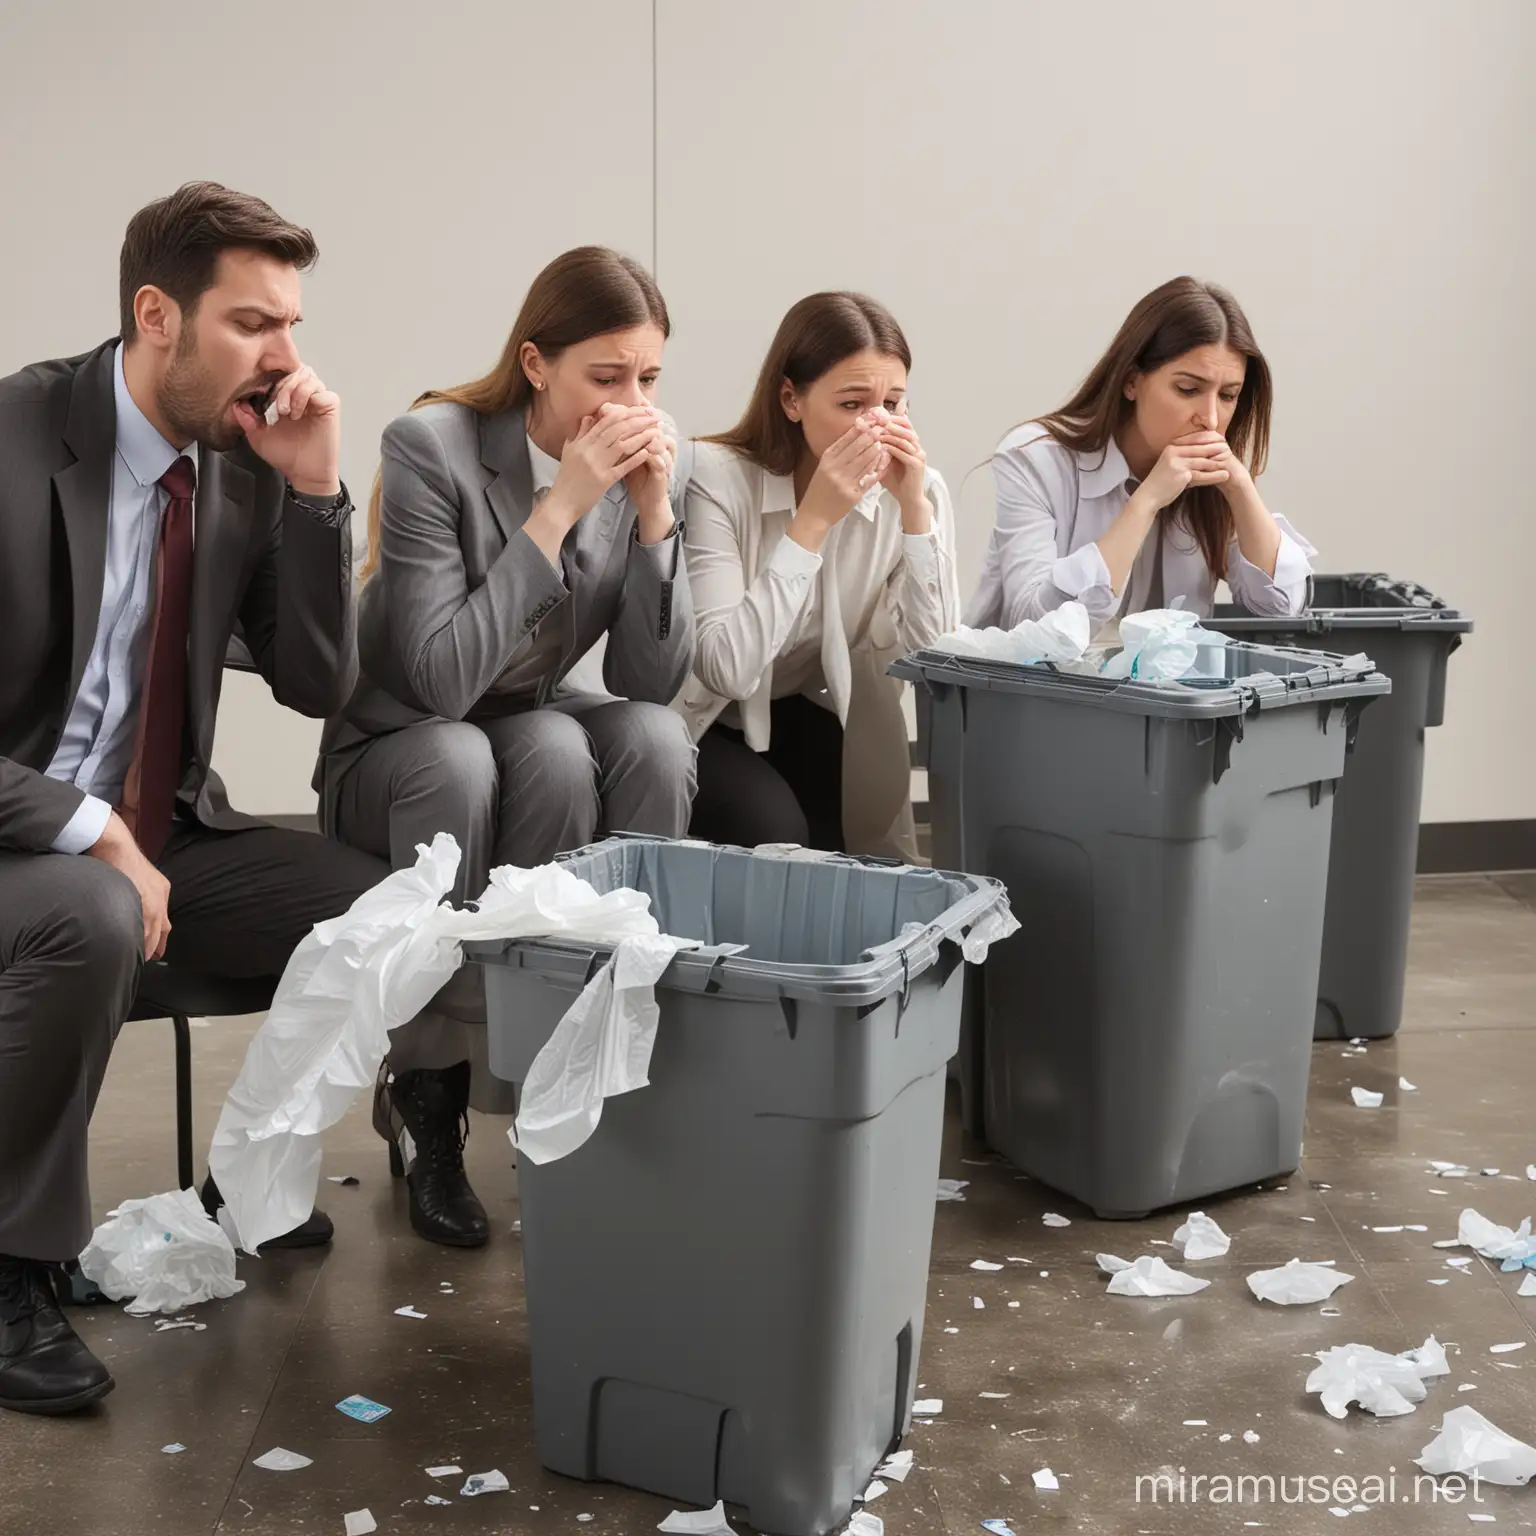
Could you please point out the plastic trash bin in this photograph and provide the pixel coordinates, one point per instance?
(1410, 634)
(1145, 1038)
(726, 1284)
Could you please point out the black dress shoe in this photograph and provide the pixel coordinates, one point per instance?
(424, 1115)
(318, 1229)
(44, 1368)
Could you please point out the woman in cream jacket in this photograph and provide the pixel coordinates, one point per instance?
(820, 549)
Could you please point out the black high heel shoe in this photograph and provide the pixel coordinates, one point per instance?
(424, 1116)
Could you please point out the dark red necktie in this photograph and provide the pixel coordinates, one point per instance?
(149, 795)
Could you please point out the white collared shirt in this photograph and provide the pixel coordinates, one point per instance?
(96, 748)
(1054, 504)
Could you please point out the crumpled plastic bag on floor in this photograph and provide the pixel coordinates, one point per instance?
(165, 1252)
(358, 976)
(1468, 1442)
(1512, 1247)
(1385, 1385)
(1060, 636)
(1160, 645)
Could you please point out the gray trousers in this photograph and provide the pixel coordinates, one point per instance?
(513, 789)
(71, 953)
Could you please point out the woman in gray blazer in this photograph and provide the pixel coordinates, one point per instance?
(516, 522)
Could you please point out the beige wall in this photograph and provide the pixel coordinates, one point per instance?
(1007, 176)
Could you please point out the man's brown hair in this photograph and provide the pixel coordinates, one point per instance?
(175, 242)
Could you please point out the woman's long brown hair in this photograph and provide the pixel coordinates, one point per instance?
(586, 292)
(816, 335)
(1167, 323)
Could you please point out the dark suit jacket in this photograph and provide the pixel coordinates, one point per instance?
(461, 586)
(263, 564)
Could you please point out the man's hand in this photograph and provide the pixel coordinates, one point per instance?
(116, 847)
(304, 443)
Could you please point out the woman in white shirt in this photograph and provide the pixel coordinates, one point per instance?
(820, 548)
(1140, 489)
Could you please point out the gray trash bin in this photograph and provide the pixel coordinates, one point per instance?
(726, 1283)
(1410, 634)
(1145, 1038)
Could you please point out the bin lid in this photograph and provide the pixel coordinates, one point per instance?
(1354, 601)
(1237, 679)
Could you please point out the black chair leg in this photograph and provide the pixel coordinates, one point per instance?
(184, 1173)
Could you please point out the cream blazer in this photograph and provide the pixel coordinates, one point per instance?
(883, 593)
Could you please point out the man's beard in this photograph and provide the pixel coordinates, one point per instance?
(191, 405)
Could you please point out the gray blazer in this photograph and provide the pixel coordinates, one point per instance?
(460, 586)
(264, 566)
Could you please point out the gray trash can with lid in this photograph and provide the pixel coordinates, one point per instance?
(1145, 1038)
(726, 1283)
(1410, 634)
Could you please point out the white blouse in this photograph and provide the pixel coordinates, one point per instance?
(1053, 504)
(774, 619)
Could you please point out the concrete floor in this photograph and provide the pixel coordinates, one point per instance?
(1095, 1387)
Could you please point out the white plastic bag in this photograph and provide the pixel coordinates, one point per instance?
(1061, 636)
(165, 1252)
(360, 975)
(1159, 645)
(600, 1048)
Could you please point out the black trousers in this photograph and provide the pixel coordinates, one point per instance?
(71, 951)
(792, 793)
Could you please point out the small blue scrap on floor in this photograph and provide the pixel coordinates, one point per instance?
(997, 1527)
(363, 1409)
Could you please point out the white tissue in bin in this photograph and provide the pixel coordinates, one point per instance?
(355, 978)
(1159, 645)
(165, 1252)
(1296, 1284)
(1061, 636)
(1468, 1443)
(1385, 1385)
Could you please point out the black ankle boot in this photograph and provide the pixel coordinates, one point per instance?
(424, 1115)
(44, 1367)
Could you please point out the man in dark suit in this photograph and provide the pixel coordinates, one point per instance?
(172, 488)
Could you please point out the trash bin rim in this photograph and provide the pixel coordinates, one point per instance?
(880, 972)
(1328, 679)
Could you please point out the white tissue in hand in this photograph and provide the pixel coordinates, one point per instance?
(1147, 1276)
(1467, 1442)
(1296, 1284)
(1493, 1241)
(1385, 1385)
(1061, 635)
(1201, 1238)
(1159, 645)
(165, 1252)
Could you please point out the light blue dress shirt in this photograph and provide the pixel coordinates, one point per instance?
(96, 749)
